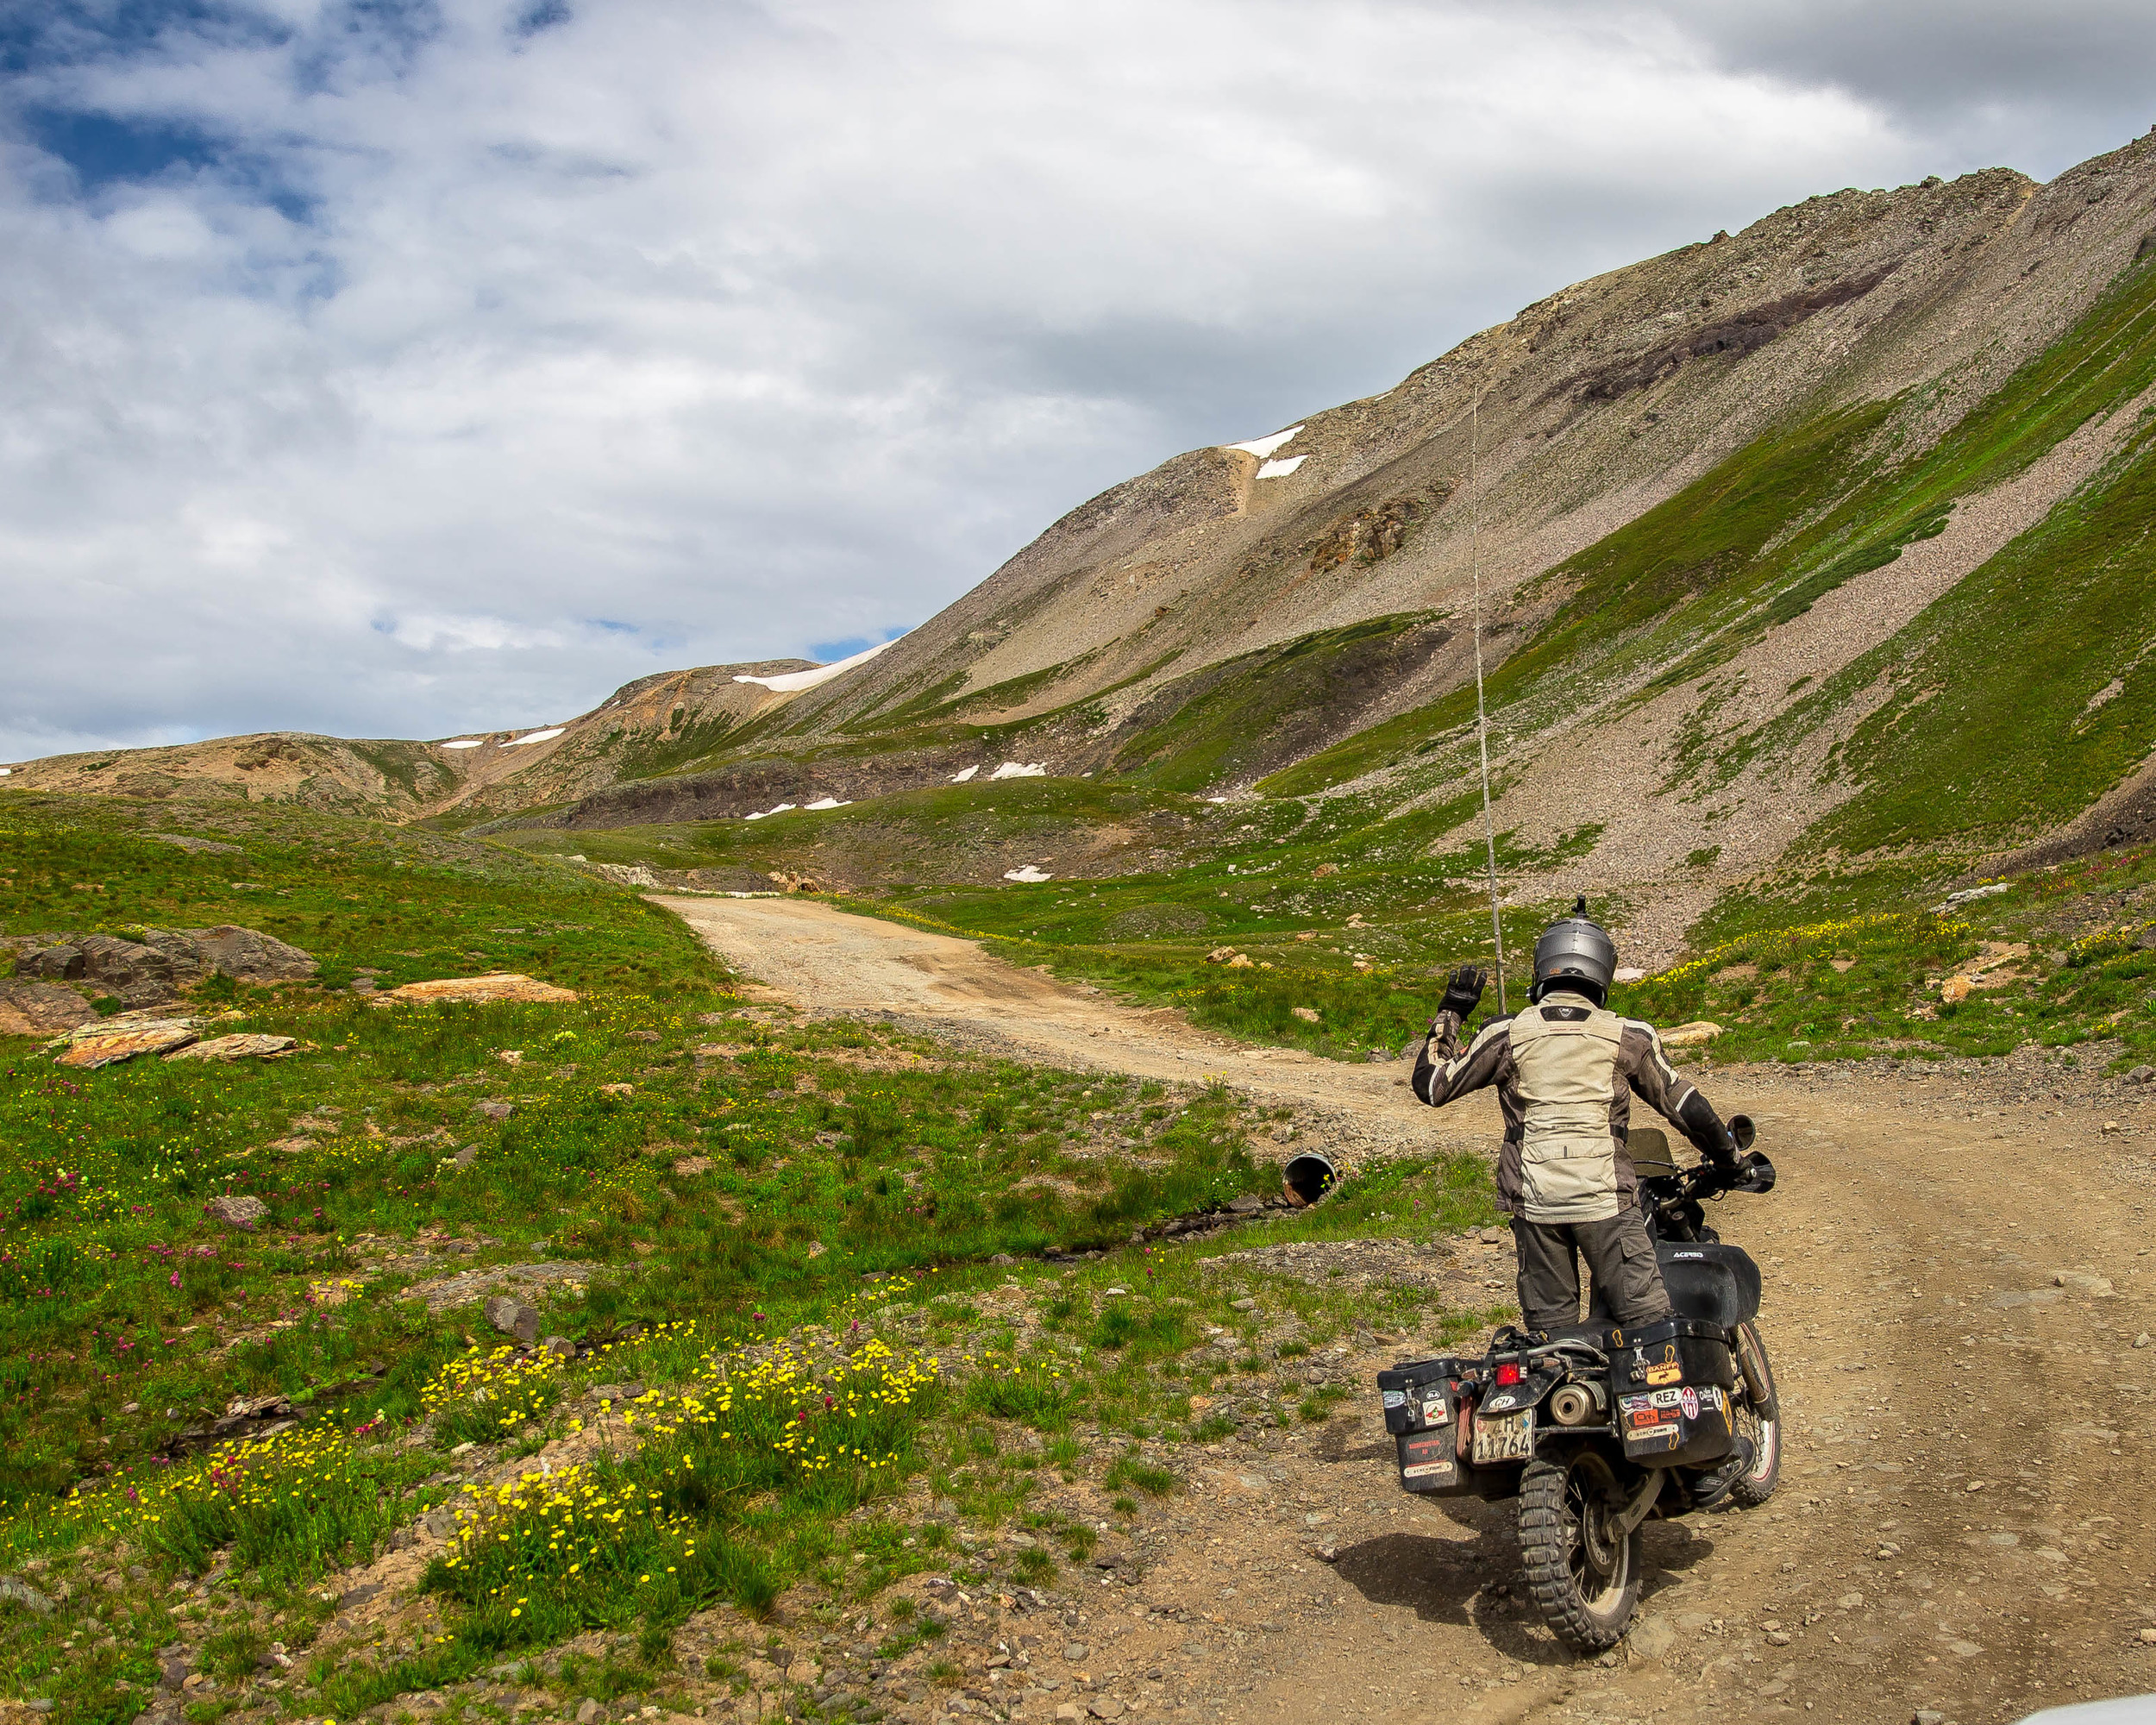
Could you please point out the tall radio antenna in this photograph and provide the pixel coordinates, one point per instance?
(1481, 716)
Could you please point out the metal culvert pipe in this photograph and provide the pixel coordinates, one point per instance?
(1309, 1176)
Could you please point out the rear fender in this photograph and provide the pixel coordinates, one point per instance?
(1517, 1398)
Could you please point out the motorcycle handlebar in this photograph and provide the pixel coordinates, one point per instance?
(1750, 1173)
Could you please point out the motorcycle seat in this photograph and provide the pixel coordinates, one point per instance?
(1709, 1280)
(1597, 1334)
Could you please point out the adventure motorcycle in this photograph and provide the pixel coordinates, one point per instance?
(1595, 1428)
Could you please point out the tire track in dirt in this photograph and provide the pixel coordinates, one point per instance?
(1964, 1523)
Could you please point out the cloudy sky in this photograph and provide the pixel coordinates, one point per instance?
(397, 368)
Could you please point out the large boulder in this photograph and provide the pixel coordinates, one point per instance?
(40, 1009)
(152, 970)
(249, 956)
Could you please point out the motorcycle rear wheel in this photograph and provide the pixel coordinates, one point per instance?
(1583, 1575)
(1765, 1473)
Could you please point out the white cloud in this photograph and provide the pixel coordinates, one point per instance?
(449, 376)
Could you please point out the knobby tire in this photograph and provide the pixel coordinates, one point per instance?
(1552, 1550)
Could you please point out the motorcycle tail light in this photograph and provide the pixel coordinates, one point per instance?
(1507, 1373)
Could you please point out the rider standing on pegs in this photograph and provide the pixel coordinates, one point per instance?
(1566, 1070)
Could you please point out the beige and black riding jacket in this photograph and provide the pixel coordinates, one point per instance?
(1566, 1071)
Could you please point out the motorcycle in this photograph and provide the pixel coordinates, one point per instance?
(1594, 1426)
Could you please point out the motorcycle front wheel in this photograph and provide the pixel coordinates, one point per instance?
(1764, 1430)
(1582, 1574)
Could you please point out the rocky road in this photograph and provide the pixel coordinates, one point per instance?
(1961, 1290)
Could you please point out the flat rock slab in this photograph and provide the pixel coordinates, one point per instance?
(444, 1292)
(500, 985)
(238, 1047)
(92, 1049)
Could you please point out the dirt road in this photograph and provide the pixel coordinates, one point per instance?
(828, 961)
(1961, 1293)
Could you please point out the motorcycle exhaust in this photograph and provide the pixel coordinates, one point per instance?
(1578, 1404)
(1309, 1176)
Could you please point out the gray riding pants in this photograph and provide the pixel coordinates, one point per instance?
(1628, 1280)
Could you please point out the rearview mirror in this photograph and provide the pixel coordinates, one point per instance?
(1742, 1130)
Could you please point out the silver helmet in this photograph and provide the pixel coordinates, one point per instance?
(1574, 952)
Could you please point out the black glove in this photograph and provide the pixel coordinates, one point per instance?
(1463, 991)
(1705, 1128)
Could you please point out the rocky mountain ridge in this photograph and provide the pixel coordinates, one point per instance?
(1779, 536)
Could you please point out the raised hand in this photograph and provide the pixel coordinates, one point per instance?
(1462, 990)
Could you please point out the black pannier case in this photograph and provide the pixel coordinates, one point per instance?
(1671, 1383)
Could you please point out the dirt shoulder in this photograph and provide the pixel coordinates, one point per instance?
(1959, 1290)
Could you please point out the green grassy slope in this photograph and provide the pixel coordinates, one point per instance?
(1794, 515)
(755, 1200)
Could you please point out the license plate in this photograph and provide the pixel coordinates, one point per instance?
(1510, 1437)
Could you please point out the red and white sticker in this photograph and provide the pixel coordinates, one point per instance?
(1689, 1401)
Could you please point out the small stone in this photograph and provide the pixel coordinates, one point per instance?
(2140, 1075)
(1928, 1716)
(466, 1156)
(1651, 1637)
(560, 1347)
(513, 1318)
(494, 1111)
(1107, 1707)
(1070, 1713)
(237, 1210)
(1778, 1638)
(23, 1594)
(1076, 1652)
(1974, 1485)
(1849, 1601)
(1964, 1650)
(1308, 1015)
(587, 1710)
(2142, 1339)
(1245, 1304)
(2147, 1637)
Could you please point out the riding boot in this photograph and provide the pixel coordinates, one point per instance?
(1708, 1488)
